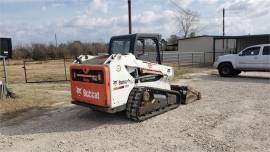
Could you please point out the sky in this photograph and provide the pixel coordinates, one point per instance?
(37, 21)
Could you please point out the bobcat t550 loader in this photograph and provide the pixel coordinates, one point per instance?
(125, 80)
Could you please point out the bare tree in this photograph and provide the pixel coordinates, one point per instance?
(173, 39)
(187, 20)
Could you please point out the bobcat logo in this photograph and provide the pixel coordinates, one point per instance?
(87, 93)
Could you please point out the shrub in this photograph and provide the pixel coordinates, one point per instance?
(22, 53)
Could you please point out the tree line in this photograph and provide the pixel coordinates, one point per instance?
(40, 51)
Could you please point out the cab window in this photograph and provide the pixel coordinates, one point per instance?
(146, 49)
(139, 51)
(120, 46)
(251, 51)
(266, 50)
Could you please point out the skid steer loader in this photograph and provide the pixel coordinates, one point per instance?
(125, 80)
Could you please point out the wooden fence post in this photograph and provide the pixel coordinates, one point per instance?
(25, 75)
(65, 68)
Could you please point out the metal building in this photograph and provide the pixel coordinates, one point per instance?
(213, 46)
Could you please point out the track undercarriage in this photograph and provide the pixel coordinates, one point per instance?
(144, 102)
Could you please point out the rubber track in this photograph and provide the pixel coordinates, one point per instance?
(134, 103)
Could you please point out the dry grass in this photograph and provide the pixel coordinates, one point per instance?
(36, 71)
(182, 71)
(39, 95)
(47, 71)
(35, 95)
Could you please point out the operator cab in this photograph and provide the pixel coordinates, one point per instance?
(143, 46)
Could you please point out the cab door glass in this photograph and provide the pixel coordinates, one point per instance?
(266, 50)
(251, 51)
(146, 49)
(139, 49)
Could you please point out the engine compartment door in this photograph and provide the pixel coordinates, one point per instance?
(90, 84)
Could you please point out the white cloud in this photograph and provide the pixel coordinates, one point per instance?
(57, 5)
(181, 3)
(209, 2)
(99, 19)
(43, 8)
(247, 16)
(242, 17)
(99, 5)
(26, 1)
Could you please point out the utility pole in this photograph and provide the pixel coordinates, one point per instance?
(129, 17)
(223, 26)
(55, 37)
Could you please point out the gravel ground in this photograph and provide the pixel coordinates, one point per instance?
(233, 115)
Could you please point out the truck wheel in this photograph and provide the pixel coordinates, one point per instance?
(226, 70)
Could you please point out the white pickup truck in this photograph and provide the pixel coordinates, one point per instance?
(253, 58)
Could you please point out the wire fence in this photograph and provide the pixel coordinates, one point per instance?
(58, 69)
(186, 58)
(46, 71)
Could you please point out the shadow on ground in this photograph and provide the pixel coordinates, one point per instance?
(63, 119)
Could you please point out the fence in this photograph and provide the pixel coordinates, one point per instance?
(58, 70)
(186, 58)
(3, 79)
(46, 71)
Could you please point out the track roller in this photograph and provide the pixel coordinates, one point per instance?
(144, 102)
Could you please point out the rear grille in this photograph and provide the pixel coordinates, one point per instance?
(91, 76)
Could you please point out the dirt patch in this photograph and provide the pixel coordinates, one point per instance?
(19, 116)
